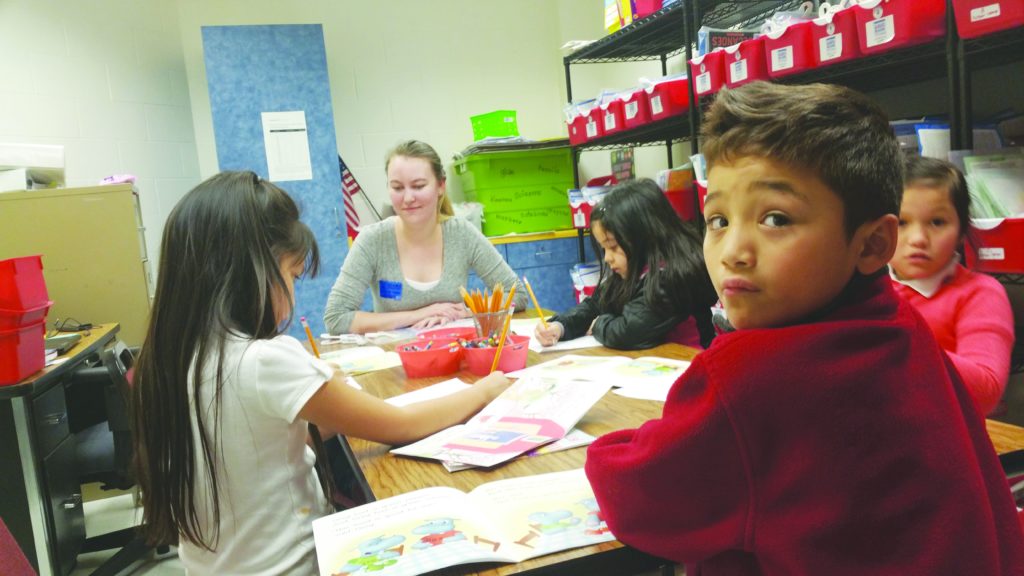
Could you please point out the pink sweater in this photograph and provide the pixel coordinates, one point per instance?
(972, 321)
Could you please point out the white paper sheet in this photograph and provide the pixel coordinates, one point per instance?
(287, 146)
(429, 392)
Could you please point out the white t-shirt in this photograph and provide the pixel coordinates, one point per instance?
(269, 493)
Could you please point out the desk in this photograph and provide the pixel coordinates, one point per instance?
(42, 500)
(386, 475)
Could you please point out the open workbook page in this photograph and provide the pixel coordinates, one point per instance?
(502, 521)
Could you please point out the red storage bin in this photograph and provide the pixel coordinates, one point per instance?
(636, 109)
(644, 8)
(979, 17)
(668, 97)
(423, 359)
(889, 24)
(584, 293)
(11, 319)
(682, 203)
(577, 130)
(22, 285)
(453, 333)
(1000, 244)
(834, 38)
(611, 116)
(513, 356)
(702, 193)
(708, 73)
(594, 126)
(788, 51)
(581, 213)
(22, 352)
(744, 62)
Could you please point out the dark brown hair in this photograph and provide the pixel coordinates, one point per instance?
(219, 270)
(935, 173)
(838, 134)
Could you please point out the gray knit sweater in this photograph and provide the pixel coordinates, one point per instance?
(373, 263)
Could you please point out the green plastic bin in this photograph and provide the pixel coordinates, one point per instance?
(543, 219)
(524, 168)
(498, 123)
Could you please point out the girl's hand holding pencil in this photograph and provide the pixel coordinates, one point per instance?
(550, 334)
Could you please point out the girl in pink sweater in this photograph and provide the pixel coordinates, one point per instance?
(968, 312)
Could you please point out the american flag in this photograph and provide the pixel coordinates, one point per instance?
(349, 188)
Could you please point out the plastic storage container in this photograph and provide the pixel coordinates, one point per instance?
(636, 109)
(669, 96)
(611, 114)
(889, 24)
(788, 51)
(513, 356)
(10, 319)
(834, 38)
(744, 62)
(498, 123)
(708, 73)
(1000, 244)
(433, 357)
(22, 352)
(594, 125)
(452, 333)
(22, 285)
(979, 17)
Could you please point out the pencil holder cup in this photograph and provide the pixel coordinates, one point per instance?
(490, 324)
(513, 355)
(426, 358)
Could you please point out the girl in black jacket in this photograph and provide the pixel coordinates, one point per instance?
(654, 285)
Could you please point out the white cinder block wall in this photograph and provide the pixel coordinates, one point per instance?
(105, 79)
(419, 69)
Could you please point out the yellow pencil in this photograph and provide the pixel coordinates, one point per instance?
(535, 304)
(309, 334)
(501, 342)
(467, 299)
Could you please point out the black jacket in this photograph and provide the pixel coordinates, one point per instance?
(637, 328)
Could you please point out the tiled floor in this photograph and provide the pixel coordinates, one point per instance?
(106, 514)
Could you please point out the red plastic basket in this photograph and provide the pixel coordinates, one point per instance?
(594, 126)
(644, 8)
(577, 130)
(889, 24)
(702, 193)
(636, 110)
(744, 62)
(708, 73)
(423, 359)
(669, 98)
(611, 117)
(979, 17)
(513, 356)
(834, 38)
(460, 333)
(682, 203)
(22, 286)
(11, 319)
(22, 352)
(1000, 245)
(788, 51)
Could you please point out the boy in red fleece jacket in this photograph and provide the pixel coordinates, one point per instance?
(828, 434)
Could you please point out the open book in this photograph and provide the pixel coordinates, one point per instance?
(502, 521)
(530, 413)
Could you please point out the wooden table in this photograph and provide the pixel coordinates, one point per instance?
(386, 475)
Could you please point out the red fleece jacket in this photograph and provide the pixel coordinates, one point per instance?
(844, 446)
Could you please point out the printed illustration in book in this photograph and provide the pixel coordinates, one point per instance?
(532, 412)
(502, 521)
(618, 371)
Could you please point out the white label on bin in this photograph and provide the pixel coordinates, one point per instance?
(704, 83)
(991, 254)
(609, 121)
(738, 71)
(782, 58)
(631, 109)
(656, 105)
(591, 128)
(579, 219)
(830, 47)
(985, 12)
(879, 31)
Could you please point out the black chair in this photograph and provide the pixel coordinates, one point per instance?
(104, 448)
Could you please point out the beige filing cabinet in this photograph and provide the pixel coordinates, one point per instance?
(94, 256)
